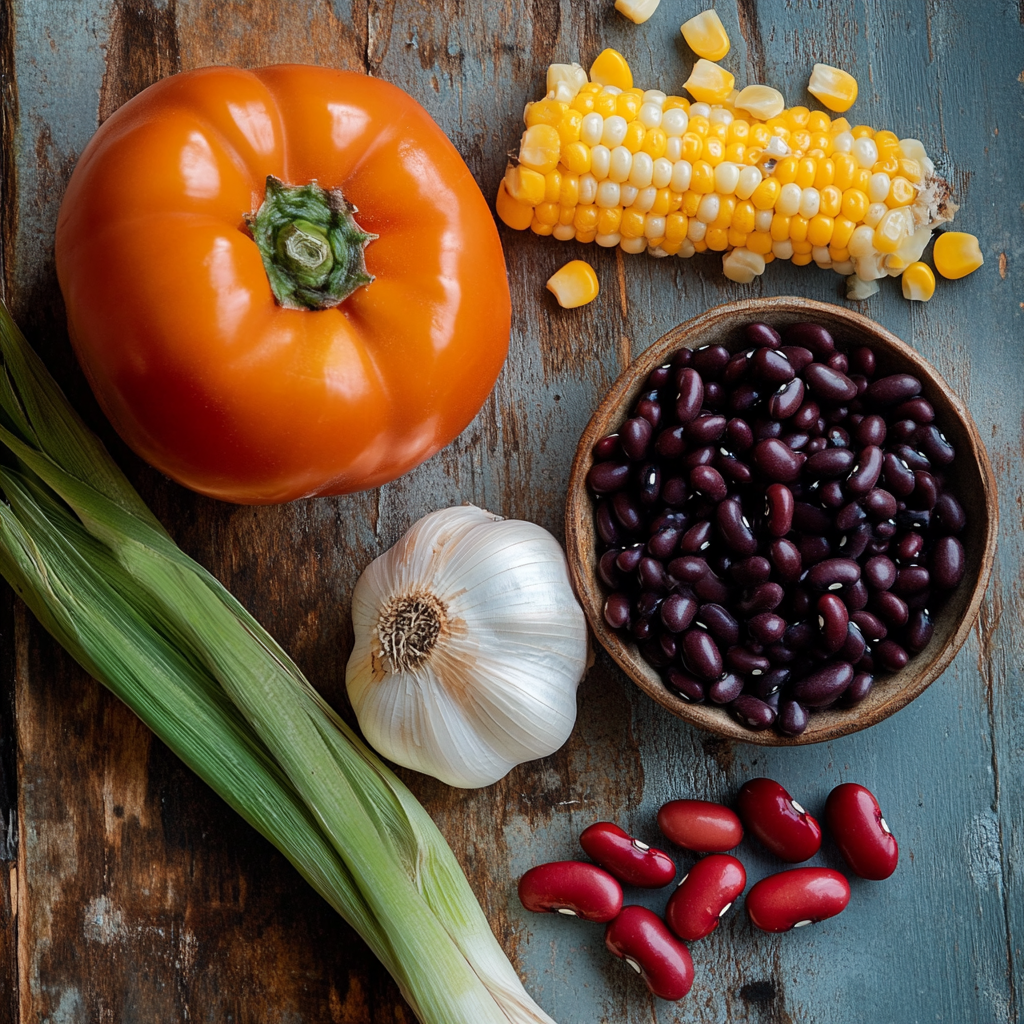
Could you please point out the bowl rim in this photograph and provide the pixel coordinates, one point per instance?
(579, 528)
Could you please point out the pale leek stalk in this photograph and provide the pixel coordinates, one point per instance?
(102, 575)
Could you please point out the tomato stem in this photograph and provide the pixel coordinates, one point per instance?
(311, 245)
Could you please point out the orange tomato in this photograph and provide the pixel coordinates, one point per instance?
(171, 313)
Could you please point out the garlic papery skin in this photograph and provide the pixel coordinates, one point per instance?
(469, 647)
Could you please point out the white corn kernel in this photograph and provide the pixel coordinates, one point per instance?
(638, 11)
(810, 202)
(742, 266)
(862, 241)
(642, 171)
(682, 171)
(591, 129)
(564, 232)
(820, 254)
(870, 268)
(750, 178)
(777, 147)
(709, 207)
(649, 115)
(614, 131)
(608, 241)
(600, 162)
(843, 143)
(695, 230)
(654, 227)
(788, 203)
(875, 212)
(662, 173)
(719, 115)
(727, 177)
(700, 110)
(674, 148)
(686, 249)
(645, 199)
(878, 187)
(674, 122)
(621, 164)
(564, 82)
(845, 268)
(763, 220)
(783, 250)
(633, 245)
(627, 195)
(588, 189)
(913, 149)
(654, 96)
(612, 90)
(865, 152)
(608, 194)
(761, 101)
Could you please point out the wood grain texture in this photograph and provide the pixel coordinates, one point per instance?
(128, 893)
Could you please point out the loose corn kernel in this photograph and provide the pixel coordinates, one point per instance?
(918, 282)
(957, 254)
(516, 215)
(610, 68)
(832, 87)
(761, 101)
(709, 83)
(638, 11)
(706, 36)
(574, 285)
(743, 265)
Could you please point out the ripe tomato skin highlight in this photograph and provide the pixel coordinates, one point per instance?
(173, 319)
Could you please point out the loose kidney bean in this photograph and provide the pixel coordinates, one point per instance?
(858, 689)
(890, 655)
(629, 558)
(749, 572)
(702, 456)
(652, 576)
(608, 477)
(660, 376)
(752, 712)
(825, 685)
(866, 472)
(700, 825)
(948, 563)
(770, 814)
(674, 491)
(671, 442)
(919, 630)
(628, 859)
(786, 400)
(687, 568)
(705, 428)
(879, 572)
(701, 655)
(809, 519)
(572, 888)
(779, 505)
(608, 569)
(797, 441)
(607, 529)
(806, 417)
(664, 543)
(763, 598)
(635, 438)
(897, 476)
(736, 369)
(714, 396)
(948, 515)
(707, 480)
(697, 538)
(920, 410)
(739, 435)
(911, 457)
(641, 938)
(926, 491)
(902, 431)
(772, 366)
(862, 359)
(828, 384)
(777, 461)
(704, 896)
(771, 682)
(627, 511)
(830, 494)
(855, 596)
(870, 430)
(854, 646)
(762, 336)
(797, 355)
(870, 625)
(833, 574)
(710, 588)
(795, 898)
(880, 504)
(745, 662)
(837, 437)
(833, 621)
(650, 484)
(734, 526)
(765, 428)
(859, 830)
(838, 361)
(607, 448)
(616, 610)
(897, 387)
(785, 556)
(725, 689)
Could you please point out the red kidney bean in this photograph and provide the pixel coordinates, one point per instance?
(664, 543)
(608, 477)
(652, 576)
(765, 597)
(820, 688)
(833, 621)
(701, 655)
(772, 366)
(849, 516)
(909, 546)
(880, 572)
(910, 580)
(628, 859)
(911, 457)
(629, 558)
(809, 519)
(697, 538)
(948, 563)
(890, 655)
(902, 431)
(608, 569)
(687, 568)
(607, 448)
(806, 417)
(839, 362)
(785, 556)
(744, 397)
(739, 434)
(765, 428)
(930, 440)
(897, 476)
(773, 817)
(650, 483)
(779, 506)
(866, 472)
(919, 630)
(719, 623)
(797, 442)
(828, 384)
(572, 888)
(854, 646)
(913, 519)
(862, 359)
(627, 511)
(660, 376)
(786, 400)
(810, 336)
(831, 494)
(635, 438)
(710, 588)
(870, 625)
(771, 682)
(729, 466)
(833, 574)
(926, 491)
(700, 825)
(777, 461)
(855, 596)
(705, 429)
(714, 396)
(677, 612)
(704, 896)
(762, 336)
(642, 939)
(861, 833)
(895, 388)
(736, 369)
(767, 627)
(831, 462)
(749, 572)
(674, 491)
(707, 480)
(890, 608)
(702, 456)
(795, 898)
(797, 355)
(671, 442)
(734, 526)
(870, 430)
(752, 712)
(745, 662)
(858, 689)
(607, 529)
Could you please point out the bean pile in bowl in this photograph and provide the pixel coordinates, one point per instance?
(777, 525)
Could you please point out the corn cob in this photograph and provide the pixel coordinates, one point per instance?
(643, 170)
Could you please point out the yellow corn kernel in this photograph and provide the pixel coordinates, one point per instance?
(552, 186)
(699, 125)
(890, 231)
(799, 141)
(676, 101)
(760, 101)
(709, 83)
(838, 126)
(706, 36)
(737, 238)
(760, 135)
(584, 102)
(798, 227)
(842, 231)
(585, 237)
(714, 151)
(806, 170)
(735, 152)
(819, 230)
(547, 112)
(846, 168)
(662, 202)
(671, 248)
(957, 254)
(885, 140)
(638, 11)
(766, 194)
(855, 204)
(634, 139)
(675, 201)
(655, 143)
(785, 170)
(700, 246)
(902, 193)
(800, 259)
(693, 146)
(759, 242)
(838, 255)
(862, 178)
(738, 130)
(831, 201)
(780, 227)
(627, 105)
(605, 103)
(691, 202)
(717, 238)
(797, 117)
(890, 165)
(524, 185)
(569, 191)
(918, 282)
(675, 226)
(822, 142)
(824, 174)
(610, 68)
(832, 87)
(702, 180)
(818, 121)
(726, 209)
(566, 214)
(516, 215)
(574, 285)
(632, 223)
(576, 157)
(862, 131)
(569, 127)
(586, 217)
(744, 217)
(608, 220)
(547, 213)
(910, 169)
(538, 227)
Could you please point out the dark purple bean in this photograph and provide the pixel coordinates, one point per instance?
(897, 476)
(816, 444)
(777, 461)
(608, 570)
(607, 448)
(664, 543)
(806, 417)
(930, 440)
(607, 529)
(674, 491)
(650, 409)
(833, 620)
(648, 603)
(810, 336)
(726, 689)
(767, 627)
(629, 558)
(855, 596)
(866, 472)
(858, 689)
(690, 689)
(785, 557)
(856, 542)
(879, 572)
(837, 414)
(671, 442)
(920, 410)
(920, 629)
(901, 431)
(734, 527)
(870, 625)
(833, 574)
(909, 547)
(922, 599)
(839, 362)
(798, 356)
(672, 517)
(652, 576)
(831, 494)
(736, 369)
(810, 519)
(751, 712)
(831, 462)
(650, 483)
(709, 361)
(701, 655)
(891, 609)
(765, 428)
(745, 397)
(778, 511)
(762, 336)
(850, 516)
(714, 396)
(911, 457)
(751, 571)
(702, 456)
(745, 662)
(729, 466)
(799, 603)
(691, 394)
(707, 480)
(678, 611)
(711, 588)
(796, 441)
(862, 359)
(828, 384)
(739, 435)
(608, 477)
(870, 430)
(697, 538)
(911, 579)
(683, 357)
(719, 623)
(883, 532)
(897, 387)
(616, 610)
(765, 597)
(824, 685)
(879, 503)
(890, 655)
(659, 376)
(635, 438)
(772, 367)
(780, 654)
(948, 563)
(948, 515)
(641, 629)
(854, 645)
(926, 490)
(913, 519)
(799, 635)
(792, 718)
(705, 429)
(837, 437)
(627, 511)
(770, 682)
(687, 568)
(814, 549)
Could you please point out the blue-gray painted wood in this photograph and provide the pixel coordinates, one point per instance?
(940, 941)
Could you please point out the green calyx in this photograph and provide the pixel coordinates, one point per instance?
(312, 248)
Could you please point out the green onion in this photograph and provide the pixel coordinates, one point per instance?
(81, 548)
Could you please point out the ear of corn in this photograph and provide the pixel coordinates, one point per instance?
(645, 171)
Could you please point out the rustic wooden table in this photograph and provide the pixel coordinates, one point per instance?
(129, 893)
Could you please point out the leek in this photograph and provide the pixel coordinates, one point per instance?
(101, 574)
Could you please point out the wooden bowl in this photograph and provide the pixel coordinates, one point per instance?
(970, 479)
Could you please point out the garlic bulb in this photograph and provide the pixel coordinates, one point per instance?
(469, 647)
